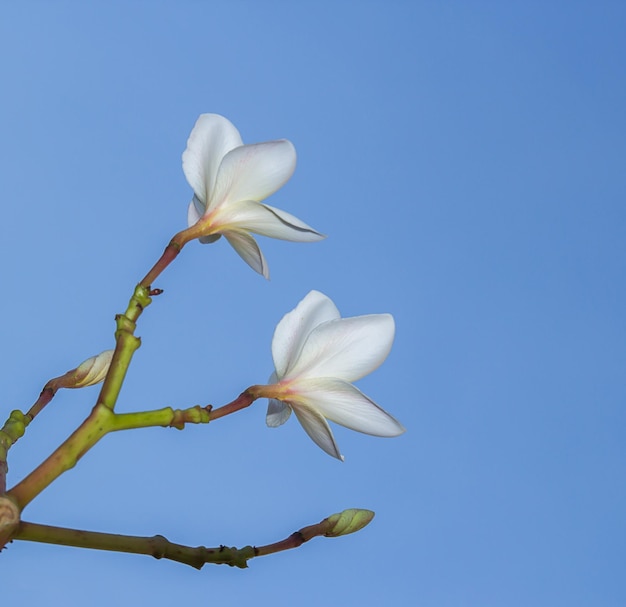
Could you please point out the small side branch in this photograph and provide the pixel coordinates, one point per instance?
(47, 394)
(12, 430)
(166, 417)
(159, 547)
(100, 422)
(15, 427)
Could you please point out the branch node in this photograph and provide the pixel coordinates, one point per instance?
(9, 519)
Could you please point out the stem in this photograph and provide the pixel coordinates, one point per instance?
(95, 426)
(245, 399)
(167, 417)
(159, 547)
(101, 421)
(15, 427)
(47, 394)
(169, 255)
(12, 430)
(172, 250)
(125, 347)
(65, 457)
(126, 342)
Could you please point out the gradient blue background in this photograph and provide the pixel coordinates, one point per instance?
(466, 161)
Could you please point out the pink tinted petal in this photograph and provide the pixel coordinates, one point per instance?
(293, 329)
(318, 430)
(248, 250)
(347, 349)
(212, 137)
(194, 214)
(253, 172)
(342, 403)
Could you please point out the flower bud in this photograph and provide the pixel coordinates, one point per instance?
(88, 373)
(348, 521)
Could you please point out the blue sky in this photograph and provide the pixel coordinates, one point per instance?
(465, 160)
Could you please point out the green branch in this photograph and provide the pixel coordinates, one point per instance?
(125, 346)
(167, 417)
(15, 427)
(65, 457)
(12, 430)
(159, 547)
(100, 422)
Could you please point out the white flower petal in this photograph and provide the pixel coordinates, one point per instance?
(253, 172)
(209, 239)
(277, 413)
(347, 348)
(265, 220)
(195, 211)
(212, 137)
(318, 429)
(342, 403)
(305, 231)
(249, 251)
(295, 326)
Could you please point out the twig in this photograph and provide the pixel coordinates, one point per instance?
(159, 547)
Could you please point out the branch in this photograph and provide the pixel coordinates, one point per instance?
(15, 427)
(125, 346)
(9, 519)
(12, 430)
(65, 457)
(100, 422)
(90, 372)
(159, 547)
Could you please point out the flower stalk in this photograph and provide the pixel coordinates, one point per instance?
(245, 399)
(172, 250)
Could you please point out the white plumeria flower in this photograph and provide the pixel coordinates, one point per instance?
(229, 180)
(317, 354)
